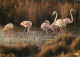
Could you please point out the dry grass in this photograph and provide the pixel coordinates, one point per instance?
(61, 46)
(52, 50)
(19, 51)
(67, 38)
(37, 12)
(76, 44)
(71, 54)
(64, 9)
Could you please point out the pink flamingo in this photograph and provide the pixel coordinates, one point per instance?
(26, 24)
(46, 26)
(58, 23)
(67, 20)
(8, 27)
(53, 24)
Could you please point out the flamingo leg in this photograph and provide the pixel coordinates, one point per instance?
(28, 33)
(46, 34)
(34, 38)
(60, 29)
(65, 29)
(24, 32)
(56, 30)
(24, 35)
(8, 36)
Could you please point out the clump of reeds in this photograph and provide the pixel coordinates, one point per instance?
(8, 55)
(70, 54)
(66, 55)
(64, 9)
(19, 51)
(76, 44)
(67, 38)
(52, 50)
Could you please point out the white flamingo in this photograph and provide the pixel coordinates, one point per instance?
(8, 27)
(46, 26)
(67, 20)
(53, 24)
(60, 23)
(26, 24)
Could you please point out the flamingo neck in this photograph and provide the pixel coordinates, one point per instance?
(56, 17)
(71, 16)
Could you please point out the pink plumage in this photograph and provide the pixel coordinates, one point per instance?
(67, 20)
(46, 26)
(26, 24)
(60, 23)
(53, 25)
(8, 26)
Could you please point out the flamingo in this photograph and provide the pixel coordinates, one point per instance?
(26, 24)
(53, 24)
(58, 23)
(67, 20)
(8, 27)
(46, 26)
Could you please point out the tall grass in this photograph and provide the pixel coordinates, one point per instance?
(16, 11)
(19, 51)
(64, 9)
(76, 44)
(52, 50)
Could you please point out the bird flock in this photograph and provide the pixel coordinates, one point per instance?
(45, 26)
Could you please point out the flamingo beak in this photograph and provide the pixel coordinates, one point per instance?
(3, 30)
(74, 10)
(53, 13)
(21, 24)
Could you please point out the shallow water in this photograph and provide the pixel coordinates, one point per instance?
(36, 35)
(17, 36)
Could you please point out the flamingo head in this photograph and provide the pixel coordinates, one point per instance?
(54, 13)
(73, 10)
(47, 22)
(22, 23)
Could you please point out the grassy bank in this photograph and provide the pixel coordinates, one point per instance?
(66, 45)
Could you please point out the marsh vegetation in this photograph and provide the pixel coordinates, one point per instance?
(36, 44)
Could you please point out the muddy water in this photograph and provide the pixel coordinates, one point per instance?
(36, 35)
(17, 35)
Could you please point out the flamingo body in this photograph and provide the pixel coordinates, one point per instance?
(46, 25)
(67, 20)
(53, 25)
(26, 24)
(60, 23)
(8, 26)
